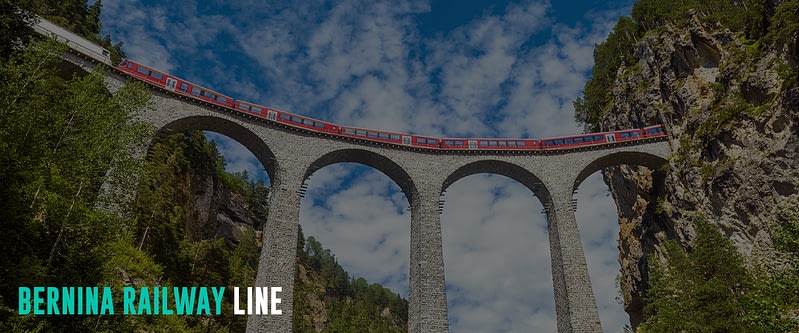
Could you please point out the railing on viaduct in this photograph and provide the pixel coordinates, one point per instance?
(291, 157)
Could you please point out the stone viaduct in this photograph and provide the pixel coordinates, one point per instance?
(291, 156)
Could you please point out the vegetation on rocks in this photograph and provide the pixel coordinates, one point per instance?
(326, 299)
(721, 76)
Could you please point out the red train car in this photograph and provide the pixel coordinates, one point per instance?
(379, 136)
(174, 84)
(143, 73)
(251, 109)
(489, 144)
(391, 137)
(425, 141)
(577, 140)
(294, 120)
(654, 131)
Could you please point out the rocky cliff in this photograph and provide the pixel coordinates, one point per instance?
(730, 105)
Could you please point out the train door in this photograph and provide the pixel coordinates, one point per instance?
(472, 144)
(406, 140)
(171, 84)
(271, 115)
(610, 138)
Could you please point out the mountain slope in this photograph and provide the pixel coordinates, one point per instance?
(721, 76)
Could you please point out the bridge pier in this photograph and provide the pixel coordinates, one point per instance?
(277, 264)
(427, 302)
(575, 304)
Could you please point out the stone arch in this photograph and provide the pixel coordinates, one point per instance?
(648, 160)
(372, 159)
(510, 170)
(229, 128)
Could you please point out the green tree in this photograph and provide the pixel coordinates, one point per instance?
(698, 291)
(58, 137)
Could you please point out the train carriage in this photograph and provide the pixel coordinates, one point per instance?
(380, 136)
(143, 73)
(654, 131)
(489, 144)
(425, 141)
(174, 84)
(575, 141)
(294, 120)
(74, 41)
(251, 108)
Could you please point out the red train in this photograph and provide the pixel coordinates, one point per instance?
(191, 90)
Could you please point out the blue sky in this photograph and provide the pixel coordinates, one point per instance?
(454, 68)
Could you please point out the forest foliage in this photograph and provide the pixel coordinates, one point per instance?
(58, 137)
(327, 299)
(708, 289)
(753, 20)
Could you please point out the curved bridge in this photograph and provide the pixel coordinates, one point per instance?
(291, 156)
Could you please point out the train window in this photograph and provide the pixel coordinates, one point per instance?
(492, 143)
(360, 133)
(653, 131)
(221, 99)
(634, 134)
(568, 141)
(394, 137)
(371, 134)
(432, 141)
(558, 142)
(184, 87)
(502, 143)
(549, 142)
(143, 70)
(483, 143)
(318, 124)
(156, 75)
(624, 135)
(349, 131)
(588, 138)
(285, 116)
(195, 91)
(578, 140)
(459, 143)
(420, 140)
(382, 135)
(598, 138)
(520, 143)
(130, 65)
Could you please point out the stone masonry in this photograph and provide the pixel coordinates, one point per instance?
(290, 157)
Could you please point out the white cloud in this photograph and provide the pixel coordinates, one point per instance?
(360, 214)
(496, 256)
(599, 230)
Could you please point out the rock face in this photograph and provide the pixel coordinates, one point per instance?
(733, 125)
(221, 212)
